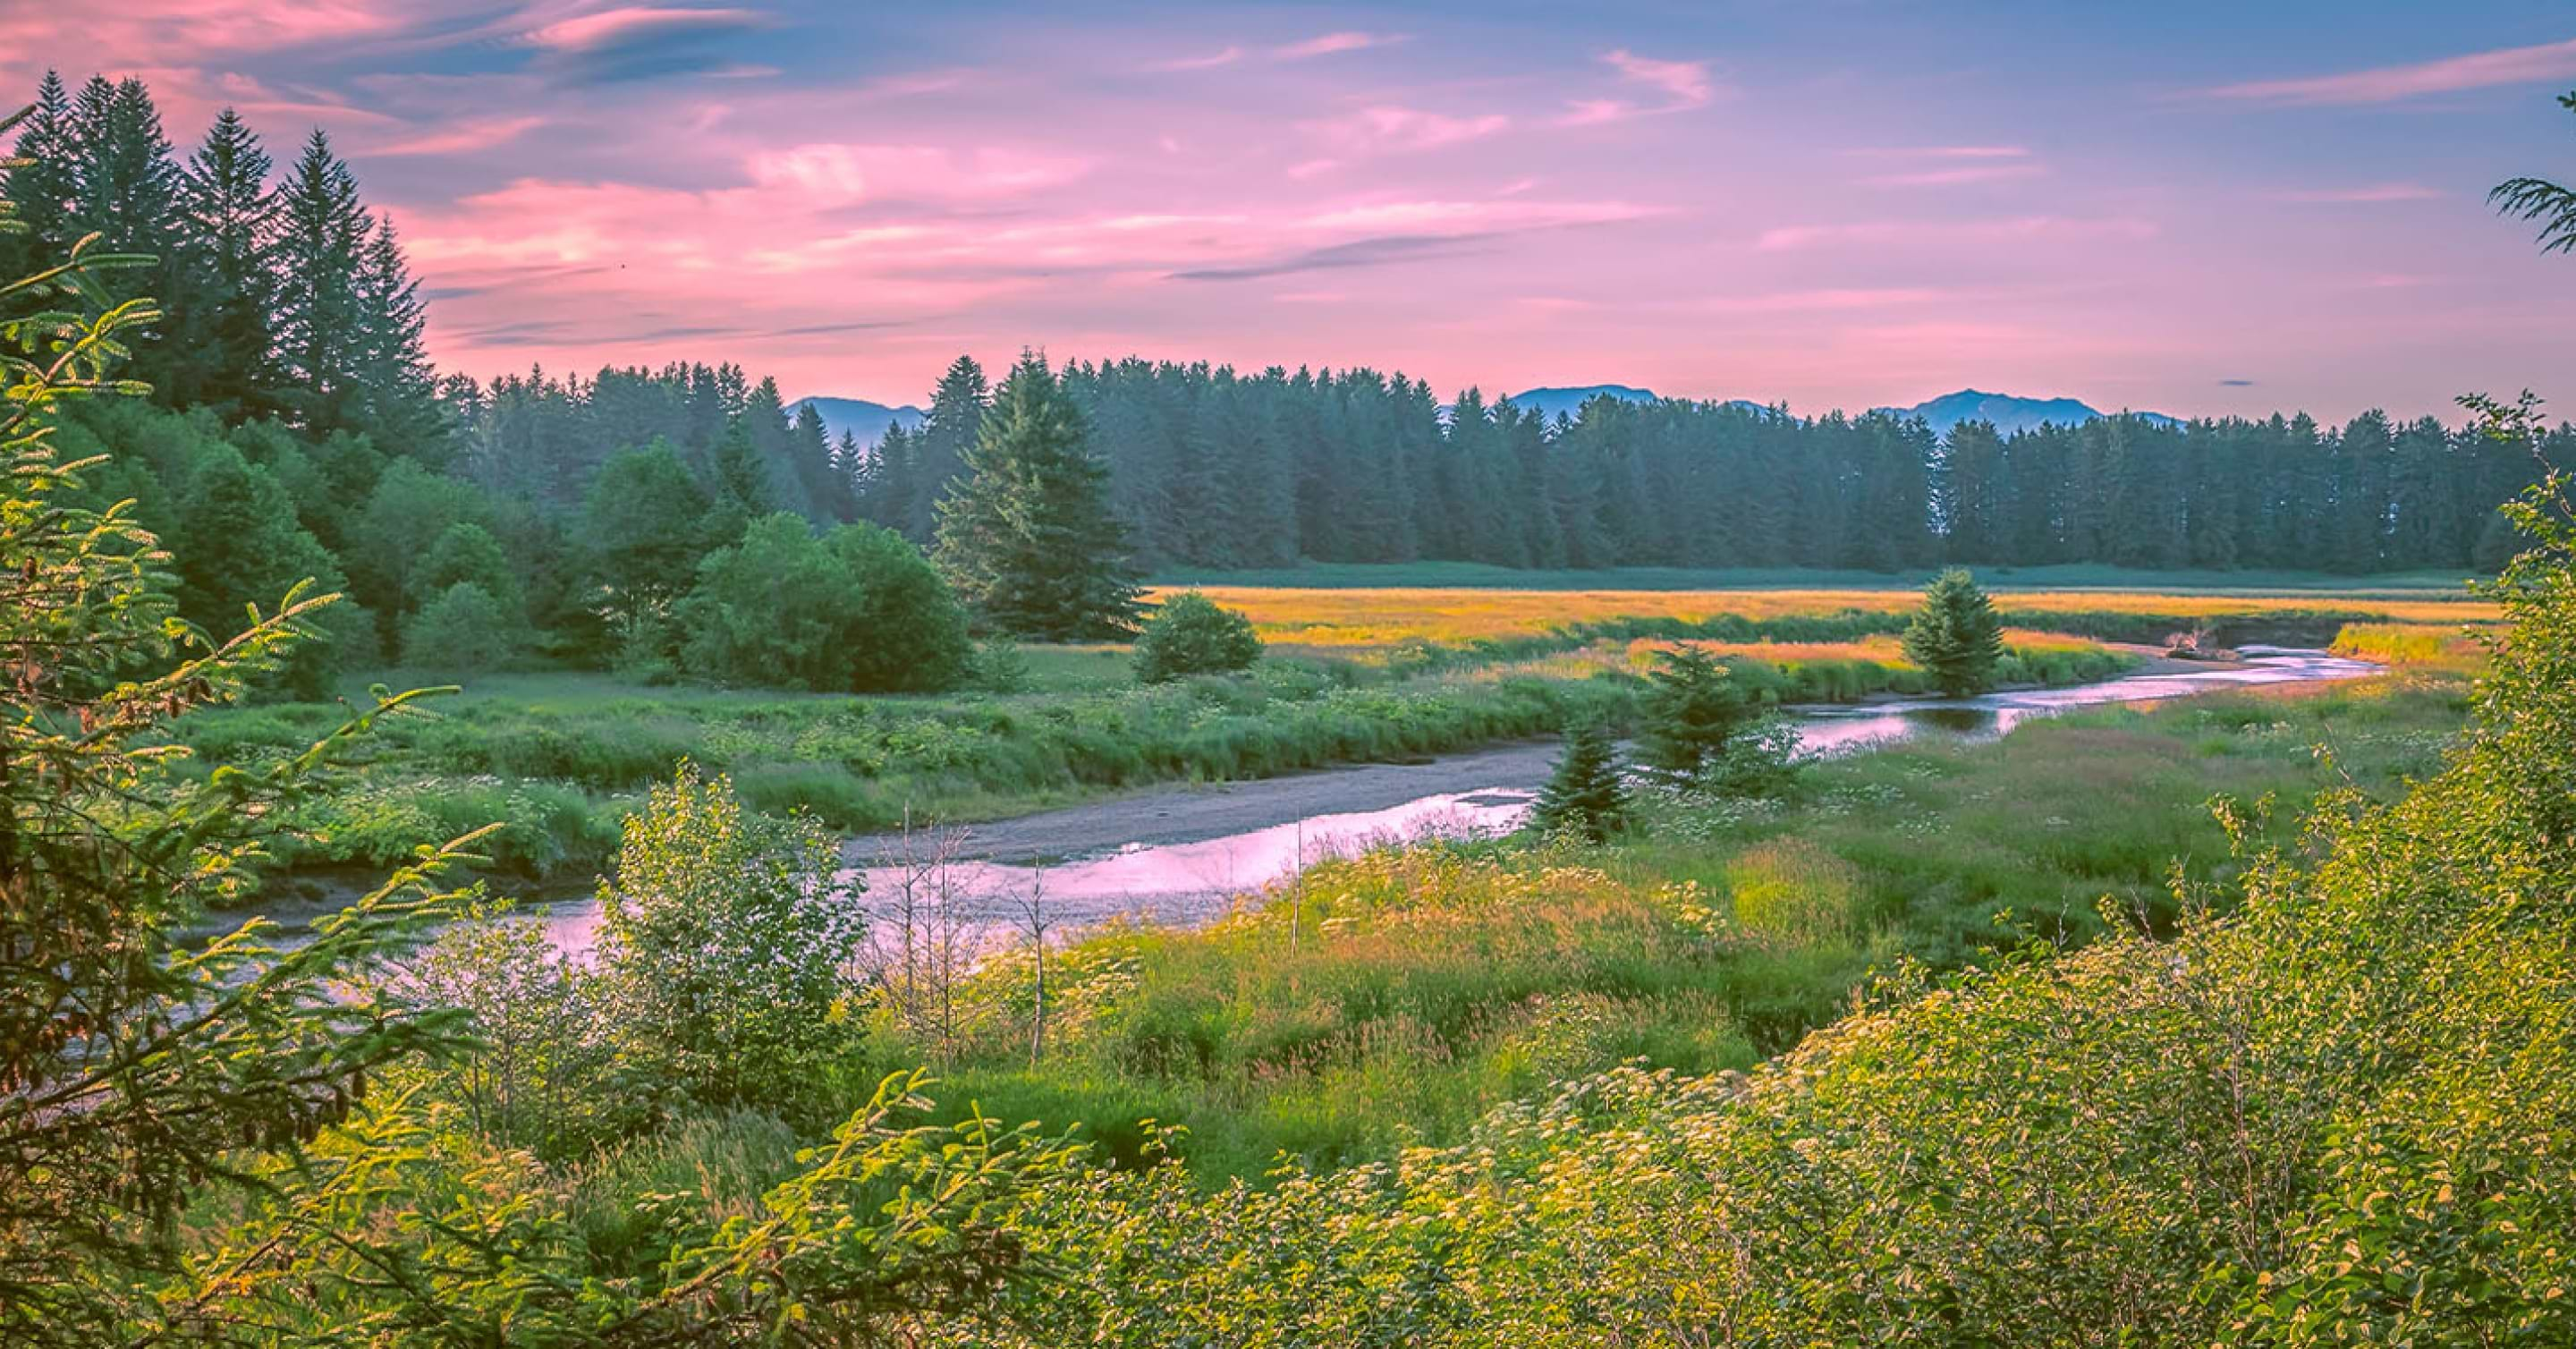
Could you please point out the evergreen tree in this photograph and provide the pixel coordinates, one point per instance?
(1586, 793)
(1027, 535)
(1695, 715)
(322, 242)
(1956, 636)
(231, 226)
(740, 488)
(388, 367)
(950, 430)
(40, 183)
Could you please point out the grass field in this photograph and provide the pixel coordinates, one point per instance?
(1470, 575)
(1373, 621)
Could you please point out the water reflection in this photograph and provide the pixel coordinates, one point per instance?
(979, 904)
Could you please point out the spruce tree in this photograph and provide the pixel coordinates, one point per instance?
(1026, 535)
(1585, 794)
(398, 390)
(40, 182)
(1695, 714)
(948, 432)
(322, 237)
(1956, 636)
(231, 227)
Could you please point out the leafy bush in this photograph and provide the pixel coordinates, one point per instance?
(858, 610)
(464, 630)
(1189, 634)
(729, 943)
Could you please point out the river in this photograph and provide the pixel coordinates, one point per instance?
(1179, 855)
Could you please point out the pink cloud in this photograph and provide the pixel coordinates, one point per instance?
(1790, 237)
(1687, 83)
(1435, 217)
(1596, 111)
(1978, 173)
(185, 30)
(849, 173)
(2377, 192)
(590, 32)
(1825, 301)
(1949, 151)
(1389, 128)
(2383, 84)
(1225, 57)
(1333, 43)
(464, 138)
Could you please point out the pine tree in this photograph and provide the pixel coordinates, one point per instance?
(1695, 714)
(1585, 794)
(1026, 535)
(1955, 636)
(389, 366)
(321, 242)
(41, 183)
(949, 431)
(231, 232)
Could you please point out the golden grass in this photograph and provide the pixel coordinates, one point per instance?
(1352, 621)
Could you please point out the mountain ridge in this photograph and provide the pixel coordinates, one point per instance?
(865, 419)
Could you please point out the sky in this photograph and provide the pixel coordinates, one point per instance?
(2199, 208)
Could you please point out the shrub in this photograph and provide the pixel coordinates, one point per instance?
(728, 940)
(858, 611)
(1189, 634)
(464, 630)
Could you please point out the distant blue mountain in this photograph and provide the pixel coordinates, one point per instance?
(2010, 414)
(865, 420)
(1549, 402)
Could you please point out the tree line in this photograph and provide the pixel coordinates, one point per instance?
(297, 429)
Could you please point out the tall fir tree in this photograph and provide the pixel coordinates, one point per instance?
(231, 229)
(40, 183)
(396, 388)
(1026, 535)
(321, 244)
(1956, 636)
(949, 431)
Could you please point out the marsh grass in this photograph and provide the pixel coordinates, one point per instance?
(1390, 999)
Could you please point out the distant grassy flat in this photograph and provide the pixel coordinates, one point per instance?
(1354, 619)
(1471, 575)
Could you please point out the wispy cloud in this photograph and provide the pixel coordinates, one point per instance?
(1945, 151)
(1824, 301)
(850, 173)
(2385, 84)
(1223, 57)
(464, 138)
(615, 27)
(1374, 252)
(1331, 44)
(2376, 192)
(1954, 177)
(1874, 232)
(1389, 128)
(1684, 85)
(1688, 82)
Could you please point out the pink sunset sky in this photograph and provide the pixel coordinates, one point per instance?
(2185, 207)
